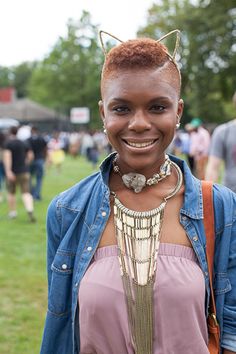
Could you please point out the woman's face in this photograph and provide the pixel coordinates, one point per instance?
(140, 109)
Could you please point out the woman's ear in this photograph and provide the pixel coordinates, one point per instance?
(101, 110)
(180, 109)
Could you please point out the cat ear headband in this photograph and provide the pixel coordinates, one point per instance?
(172, 57)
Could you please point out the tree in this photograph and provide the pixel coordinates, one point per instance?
(6, 77)
(208, 53)
(22, 75)
(69, 76)
(17, 77)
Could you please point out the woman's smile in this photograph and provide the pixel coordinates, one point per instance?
(140, 145)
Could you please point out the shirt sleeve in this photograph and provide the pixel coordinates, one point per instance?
(27, 145)
(53, 236)
(229, 312)
(229, 342)
(217, 142)
(7, 145)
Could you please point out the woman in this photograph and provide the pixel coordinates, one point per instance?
(127, 267)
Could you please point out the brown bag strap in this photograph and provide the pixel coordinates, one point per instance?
(209, 225)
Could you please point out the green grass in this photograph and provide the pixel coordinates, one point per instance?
(23, 288)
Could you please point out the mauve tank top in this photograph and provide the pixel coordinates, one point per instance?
(179, 297)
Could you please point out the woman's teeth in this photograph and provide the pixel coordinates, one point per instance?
(140, 145)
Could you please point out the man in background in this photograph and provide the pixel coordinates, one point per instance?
(223, 150)
(39, 147)
(16, 158)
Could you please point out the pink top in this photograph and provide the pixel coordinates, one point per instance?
(179, 296)
(199, 143)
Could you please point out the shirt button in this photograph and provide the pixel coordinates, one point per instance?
(89, 248)
(104, 213)
(206, 274)
(184, 218)
(64, 266)
(195, 238)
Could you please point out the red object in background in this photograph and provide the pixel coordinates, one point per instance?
(7, 94)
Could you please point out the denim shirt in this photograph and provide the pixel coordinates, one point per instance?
(75, 222)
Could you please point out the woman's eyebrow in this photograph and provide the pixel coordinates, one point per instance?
(161, 98)
(158, 98)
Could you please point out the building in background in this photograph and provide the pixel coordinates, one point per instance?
(29, 112)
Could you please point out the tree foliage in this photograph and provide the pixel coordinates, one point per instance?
(18, 77)
(6, 78)
(69, 76)
(207, 52)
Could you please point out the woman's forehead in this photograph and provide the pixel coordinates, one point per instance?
(124, 82)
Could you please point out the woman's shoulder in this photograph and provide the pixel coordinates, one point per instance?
(224, 202)
(223, 193)
(72, 196)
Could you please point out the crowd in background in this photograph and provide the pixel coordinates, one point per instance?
(26, 152)
(194, 142)
(211, 154)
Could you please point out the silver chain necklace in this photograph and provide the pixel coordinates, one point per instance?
(137, 181)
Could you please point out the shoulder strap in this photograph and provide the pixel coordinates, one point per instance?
(209, 225)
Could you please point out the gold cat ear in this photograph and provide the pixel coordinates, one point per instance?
(177, 41)
(101, 33)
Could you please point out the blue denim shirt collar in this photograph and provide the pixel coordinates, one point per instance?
(106, 166)
(192, 206)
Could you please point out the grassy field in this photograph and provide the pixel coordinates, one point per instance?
(23, 298)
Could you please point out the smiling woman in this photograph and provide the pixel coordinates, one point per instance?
(126, 246)
(140, 110)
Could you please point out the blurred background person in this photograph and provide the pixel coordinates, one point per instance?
(16, 158)
(23, 132)
(74, 144)
(93, 152)
(39, 147)
(199, 146)
(175, 147)
(100, 141)
(180, 145)
(2, 172)
(56, 154)
(186, 147)
(223, 151)
(86, 143)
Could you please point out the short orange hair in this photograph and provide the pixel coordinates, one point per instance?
(139, 54)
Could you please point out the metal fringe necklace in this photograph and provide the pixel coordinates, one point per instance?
(138, 239)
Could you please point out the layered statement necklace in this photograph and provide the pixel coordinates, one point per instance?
(138, 238)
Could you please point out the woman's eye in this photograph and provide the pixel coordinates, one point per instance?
(157, 108)
(121, 109)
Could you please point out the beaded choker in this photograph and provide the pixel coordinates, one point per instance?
(137, 181)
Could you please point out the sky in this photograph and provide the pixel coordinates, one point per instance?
(30, 28)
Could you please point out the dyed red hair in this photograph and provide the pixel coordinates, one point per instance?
(140, 54)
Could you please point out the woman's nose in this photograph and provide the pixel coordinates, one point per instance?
(139, 122)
